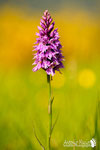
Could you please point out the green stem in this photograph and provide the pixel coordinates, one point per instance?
(50, 114)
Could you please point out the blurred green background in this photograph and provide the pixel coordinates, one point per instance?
(24, 94)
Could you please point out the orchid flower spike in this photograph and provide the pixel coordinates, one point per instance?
(48, 54)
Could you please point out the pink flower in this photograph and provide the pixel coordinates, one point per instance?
(48, 54)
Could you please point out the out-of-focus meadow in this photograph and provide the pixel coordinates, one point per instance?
(24, 94)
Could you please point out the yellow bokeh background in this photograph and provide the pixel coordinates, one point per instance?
(86, 78)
